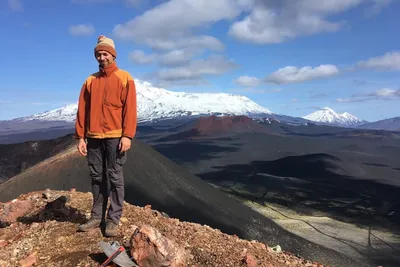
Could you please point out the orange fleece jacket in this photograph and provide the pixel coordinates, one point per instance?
(107, 105)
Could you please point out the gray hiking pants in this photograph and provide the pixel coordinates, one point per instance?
(106, 173)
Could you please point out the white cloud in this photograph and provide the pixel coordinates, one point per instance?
(177, 16)
(175, 28)
(16, 5)
(380, 94)
(139, 57)
(193, 72)
(349, 100)
(386, 92)
(190, 41)
(265, 21)
(248, 81)
(82, 29)
(276, 21)
(175, 57)
(170, 25)
(170, 58)
(388, 61)
(291, 74)
(173, 31)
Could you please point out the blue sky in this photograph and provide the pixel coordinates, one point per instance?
(290, 58)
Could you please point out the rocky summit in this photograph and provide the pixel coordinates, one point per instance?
(40, 229)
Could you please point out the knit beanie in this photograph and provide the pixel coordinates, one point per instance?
(105, 44)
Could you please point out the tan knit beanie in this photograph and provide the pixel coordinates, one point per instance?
(105, 44)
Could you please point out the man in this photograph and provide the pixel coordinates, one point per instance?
(106, 118)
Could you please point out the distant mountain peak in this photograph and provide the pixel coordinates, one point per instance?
(157, 103)
(327, 115)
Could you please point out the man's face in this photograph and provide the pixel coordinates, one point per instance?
(104, 58)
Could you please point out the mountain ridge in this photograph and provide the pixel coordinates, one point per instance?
(328, 116)
(157, 103)
(390, 124)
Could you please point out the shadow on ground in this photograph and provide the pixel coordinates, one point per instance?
(238, 220)
(203, 150)
(98, 257)
(338, 132)
(310, 184)
(152, 178)
(55, 210)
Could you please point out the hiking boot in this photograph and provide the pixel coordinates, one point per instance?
(111, 228)
(90, 224)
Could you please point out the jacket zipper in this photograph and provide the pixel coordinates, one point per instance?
(102, 103)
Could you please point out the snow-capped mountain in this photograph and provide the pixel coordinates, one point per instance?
(66, 113)
(156, 103)
(330, 117)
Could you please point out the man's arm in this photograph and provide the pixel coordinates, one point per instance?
(83, 107)
(129, 112)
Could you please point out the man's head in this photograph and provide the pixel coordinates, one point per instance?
(105, 51)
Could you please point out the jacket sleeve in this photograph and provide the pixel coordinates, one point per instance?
(83, 110)
(129, 112)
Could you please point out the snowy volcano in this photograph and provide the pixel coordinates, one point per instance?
(330, 117)
(157, 103)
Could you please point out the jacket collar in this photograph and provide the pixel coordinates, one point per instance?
(108, 69)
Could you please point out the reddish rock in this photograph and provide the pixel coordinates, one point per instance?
(147, 207)
(248, 259)
(150, 248)
(3, 243)
(72, 190)
(251, 261)
(28, 261)
(15, 209)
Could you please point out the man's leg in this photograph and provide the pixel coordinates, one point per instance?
(96, 162)
(115, 162)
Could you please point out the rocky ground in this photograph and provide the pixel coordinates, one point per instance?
(40, 229)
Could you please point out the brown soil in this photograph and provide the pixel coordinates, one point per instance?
(52, 239)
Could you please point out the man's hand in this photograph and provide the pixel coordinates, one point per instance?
(82, 147)
(124, 144)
